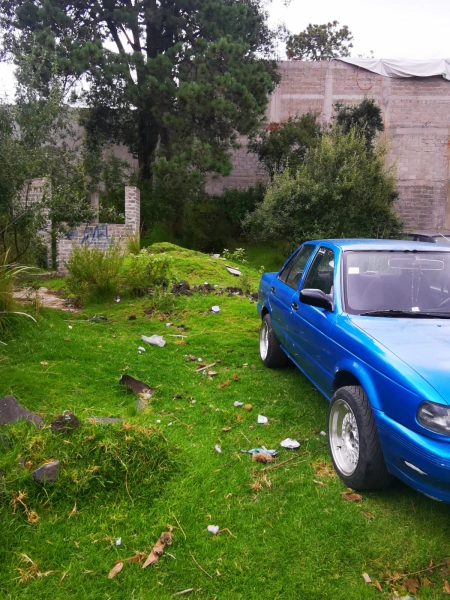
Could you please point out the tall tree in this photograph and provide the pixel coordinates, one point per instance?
(320, 42)
(174, 80)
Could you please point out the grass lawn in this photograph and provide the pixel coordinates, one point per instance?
(288, 532)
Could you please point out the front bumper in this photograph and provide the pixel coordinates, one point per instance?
(421, 462)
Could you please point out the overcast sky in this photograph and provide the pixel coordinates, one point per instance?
(417, 29)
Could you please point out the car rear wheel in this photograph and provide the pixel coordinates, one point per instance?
(354, 443)
(270, 351)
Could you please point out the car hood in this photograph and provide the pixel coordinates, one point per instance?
(424, 345)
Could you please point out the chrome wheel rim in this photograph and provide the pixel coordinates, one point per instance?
(344, 437)
(264, 340)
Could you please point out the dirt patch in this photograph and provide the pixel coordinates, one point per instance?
(44, 298)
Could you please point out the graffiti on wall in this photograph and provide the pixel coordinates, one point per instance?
(95, 235)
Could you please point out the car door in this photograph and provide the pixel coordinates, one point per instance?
(282, 290)
(311, 325)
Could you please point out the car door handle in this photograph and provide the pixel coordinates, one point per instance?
(272, 289)
(294, 305)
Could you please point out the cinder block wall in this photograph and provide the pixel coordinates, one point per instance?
(102, 235)
(32, 195)
(416, 113)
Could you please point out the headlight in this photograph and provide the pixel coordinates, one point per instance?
(435, 417)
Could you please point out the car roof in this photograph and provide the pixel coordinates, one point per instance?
(429, 233)
(367, 244)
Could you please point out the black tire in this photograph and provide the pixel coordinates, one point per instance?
(270, 351)
(353, 440)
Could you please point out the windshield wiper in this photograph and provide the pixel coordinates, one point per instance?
(406, 314)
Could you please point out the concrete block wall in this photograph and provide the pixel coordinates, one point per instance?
(102, 235)
(33, 195)
(417, 129)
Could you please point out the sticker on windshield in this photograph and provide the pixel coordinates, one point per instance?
(415, 309)
(353, 270)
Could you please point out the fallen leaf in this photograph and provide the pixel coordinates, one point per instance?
(238, 418)
(262, 457)
(248, 407)
(426, 582)
(369, 516)
(322, 485)
(165, 539)
(43, 363)
(446, 587)
(116, 569)
(412, 585)
(235, 377)
(224, 384)
(226, 428)
(67, 339)
(445, 572)
(180, 343)
(377, 585)
(73, 511)
(366, 578)
(131, 559)
(351, 497)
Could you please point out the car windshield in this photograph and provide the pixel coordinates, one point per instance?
(412, 282)
(442, 238)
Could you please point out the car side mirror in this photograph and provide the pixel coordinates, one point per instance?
(316, 298)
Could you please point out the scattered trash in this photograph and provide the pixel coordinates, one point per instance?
(226, 429)
(214, 529)
(215, 309)
(155, 340)
(141, 349)
(237, 403)
(97, 318)
(262, 450)
(65, 423)
(117, 300)
(44, 363)
(291, 444)
(158, 420)
(211, 373)
(70, 327)
(233, 271)
(119, 541)
(366, 578)
(323, 433)
(262, 419)
(218, 449)
(169, 324)
(216, 255)
(139, 388)
(118, 565)
(248, 407)
(263, 458)
(165, 539)
(169, 424)
(199, 359)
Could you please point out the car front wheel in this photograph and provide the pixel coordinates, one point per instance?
(270, 351)
(353, 439)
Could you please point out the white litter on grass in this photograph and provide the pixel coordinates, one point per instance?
(169, 424)
(214, 529)
(218, 449)
(117, 300)
(141, 349)
(237, 403)
(169, 324)
(70, 327)
(323, 433)
(215, 309)
(118, 541)
(291, 444)
(262, 419)
(199, 359)
(155, 340)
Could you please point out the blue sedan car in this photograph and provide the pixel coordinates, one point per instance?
(368, 322)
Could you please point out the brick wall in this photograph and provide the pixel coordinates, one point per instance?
(417, 128)
(102, 235)
(33, 195)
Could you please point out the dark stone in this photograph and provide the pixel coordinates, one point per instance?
(47, 473)
(132, 318)
(255, 296)
(11, 411)
(65, 423)
(4, 442)
(105, 420)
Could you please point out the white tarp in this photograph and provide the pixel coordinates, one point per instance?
(402, 67)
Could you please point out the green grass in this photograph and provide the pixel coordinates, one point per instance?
(294, 539)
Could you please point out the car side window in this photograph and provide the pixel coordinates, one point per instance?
(321, 273)
(292, 272)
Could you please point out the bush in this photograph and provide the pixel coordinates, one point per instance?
(94, 274)
(341, 190)
(145, 270)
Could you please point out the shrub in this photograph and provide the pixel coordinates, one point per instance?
(94, 274)
(145, 270)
